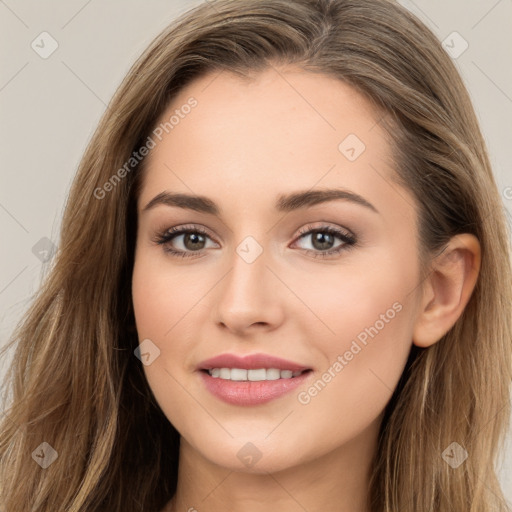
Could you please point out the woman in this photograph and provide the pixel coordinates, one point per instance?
(342, 338)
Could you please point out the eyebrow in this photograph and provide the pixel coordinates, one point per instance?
(284, 203)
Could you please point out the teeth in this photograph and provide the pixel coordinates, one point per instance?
(273, 374)
(224, 373)
(256, 375)
(259, 374)
(238, 374)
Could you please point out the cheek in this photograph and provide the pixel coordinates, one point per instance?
(158, 303)
(370, 316)
(161, 299)
(352, 390)
(162, 295)
(361, 303)
(166, 302)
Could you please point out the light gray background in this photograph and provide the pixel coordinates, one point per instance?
(50, 107)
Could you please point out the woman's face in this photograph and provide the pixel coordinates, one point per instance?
(255, 279)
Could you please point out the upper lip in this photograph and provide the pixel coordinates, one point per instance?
(250, 362)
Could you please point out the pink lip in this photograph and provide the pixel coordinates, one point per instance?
(250, 392)
(250, 362)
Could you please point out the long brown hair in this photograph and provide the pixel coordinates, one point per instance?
(75, 382)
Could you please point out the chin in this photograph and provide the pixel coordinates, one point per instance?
(250, 454)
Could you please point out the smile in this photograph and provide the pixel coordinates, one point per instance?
(253, 375)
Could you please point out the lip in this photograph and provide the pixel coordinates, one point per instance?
(248, 393)
(250, 362)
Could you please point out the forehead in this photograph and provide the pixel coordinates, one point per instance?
(292, 112)
(278, 131)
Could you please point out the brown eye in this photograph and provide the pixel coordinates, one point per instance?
(191, 239)
(323, 239)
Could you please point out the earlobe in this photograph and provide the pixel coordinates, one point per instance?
(447, 289)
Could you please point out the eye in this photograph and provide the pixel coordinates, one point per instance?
(323, 238)
(194, 238)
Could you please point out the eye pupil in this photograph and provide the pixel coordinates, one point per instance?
(194, 238)
(321, 237)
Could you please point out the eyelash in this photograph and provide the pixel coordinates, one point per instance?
(349, 241)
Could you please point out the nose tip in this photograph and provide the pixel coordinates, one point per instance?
(246, 298)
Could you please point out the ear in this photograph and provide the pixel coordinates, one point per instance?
(447, 289)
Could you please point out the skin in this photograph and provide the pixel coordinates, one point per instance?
(244, 144)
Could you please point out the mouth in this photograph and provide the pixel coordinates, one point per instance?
(252, 379)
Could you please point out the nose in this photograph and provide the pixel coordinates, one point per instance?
(250, 296)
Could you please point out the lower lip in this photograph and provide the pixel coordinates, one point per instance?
(251, 392)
